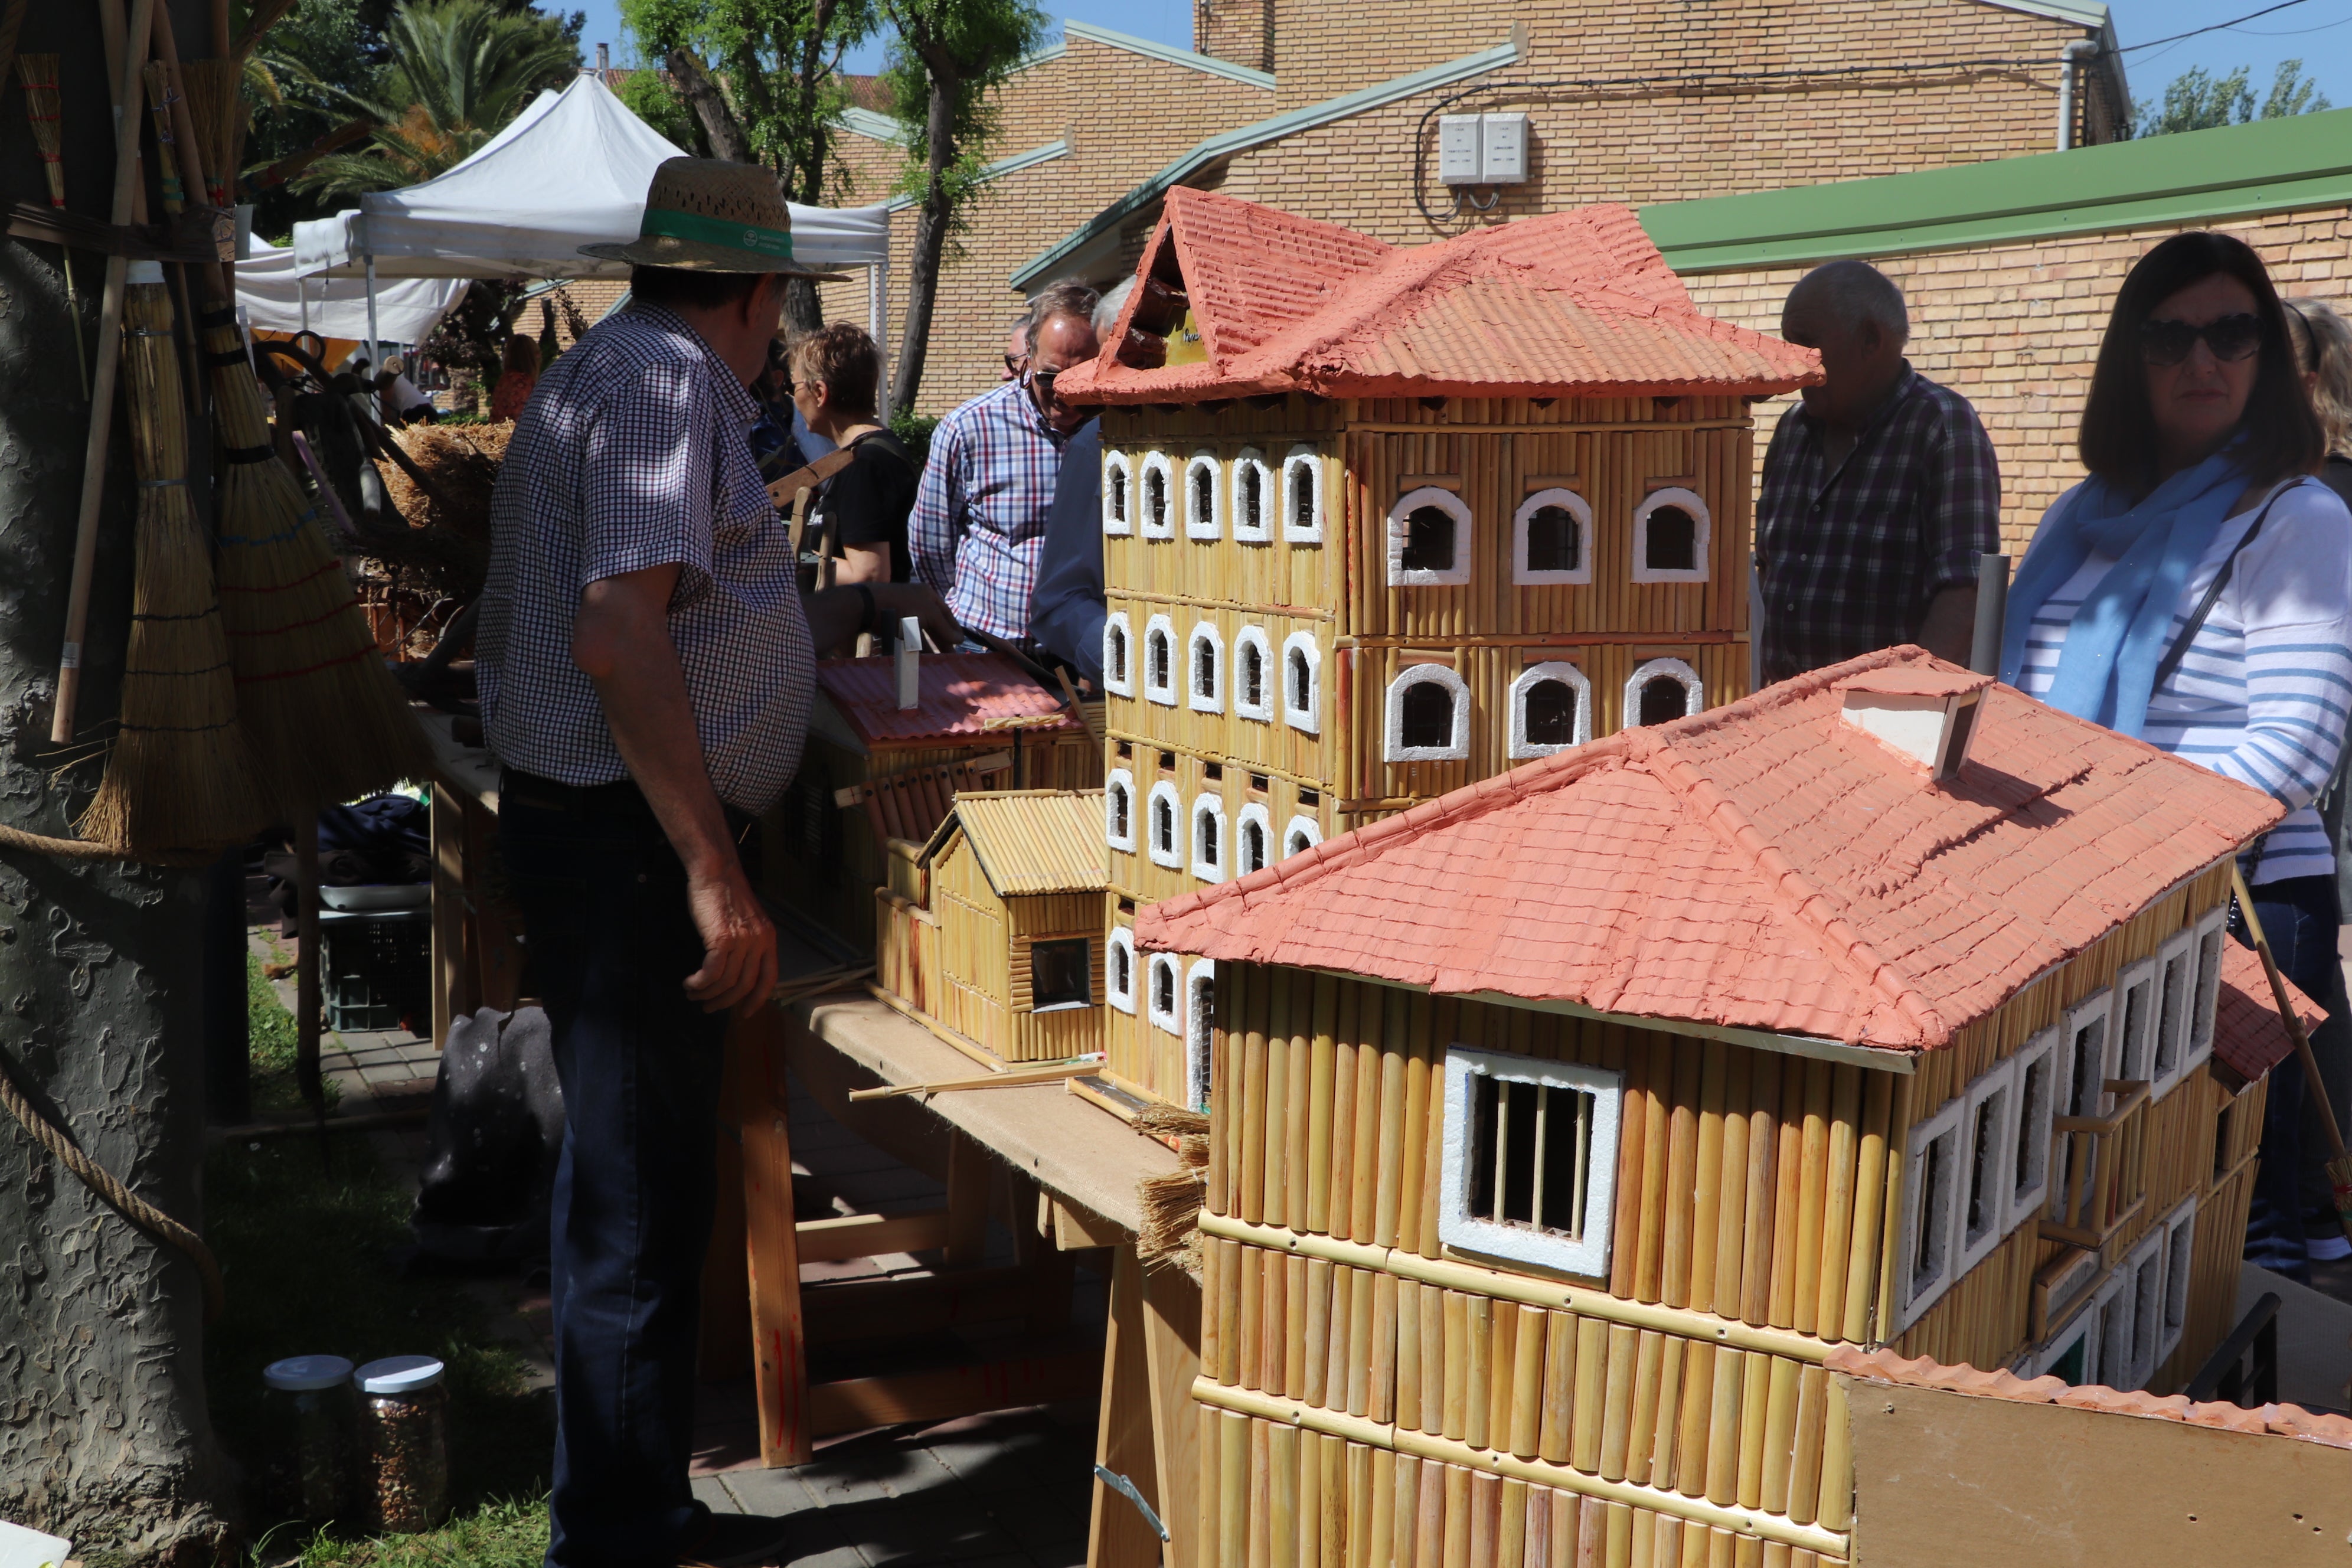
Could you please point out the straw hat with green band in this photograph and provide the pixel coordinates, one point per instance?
(709, 215)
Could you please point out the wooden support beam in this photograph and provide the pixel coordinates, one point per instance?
(870, 1235)
(846, 1311)
(1117, 1535)
(779, 1350)
(970, 1173)
(1172, 1338)
(853, 1404)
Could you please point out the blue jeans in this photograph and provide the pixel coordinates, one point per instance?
(2301, 917)
(610, 943)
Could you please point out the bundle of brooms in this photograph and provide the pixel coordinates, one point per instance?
(218, 113)
(1171, 1232)
(39, 74)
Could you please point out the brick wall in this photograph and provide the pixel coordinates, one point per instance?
(1241, 31)
(2015, 328)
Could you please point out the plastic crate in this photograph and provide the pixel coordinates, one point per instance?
(374, 974)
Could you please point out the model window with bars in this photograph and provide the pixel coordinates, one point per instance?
(1531, 1159)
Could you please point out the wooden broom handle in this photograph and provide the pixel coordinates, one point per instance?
(218, 286)
(2286, 1010)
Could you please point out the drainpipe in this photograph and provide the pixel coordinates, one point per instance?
(2070, 69)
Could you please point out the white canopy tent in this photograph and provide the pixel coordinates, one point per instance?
(278, 299)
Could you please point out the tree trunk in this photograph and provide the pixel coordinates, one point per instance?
(103, 1432)
(804, 309)
(938, 213)
(703, 96)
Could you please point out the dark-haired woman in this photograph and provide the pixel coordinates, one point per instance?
(2201, 442)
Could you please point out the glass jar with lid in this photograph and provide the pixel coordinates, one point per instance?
(306, 1470)
(405, 1425)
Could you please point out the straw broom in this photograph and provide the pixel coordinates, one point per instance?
(219, 114)
(39, 74)
(2339, 1164)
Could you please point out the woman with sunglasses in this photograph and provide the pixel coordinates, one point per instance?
(2196, 591)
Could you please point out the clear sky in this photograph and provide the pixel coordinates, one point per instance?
(2318, 31)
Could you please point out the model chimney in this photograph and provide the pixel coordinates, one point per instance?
(1927, 713)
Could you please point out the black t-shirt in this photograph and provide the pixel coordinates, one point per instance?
(867, 502)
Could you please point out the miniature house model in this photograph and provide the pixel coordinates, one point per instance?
(1406, 517)
(1565, 1128)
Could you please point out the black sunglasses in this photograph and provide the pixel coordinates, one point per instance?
(2231, 338)
(1043, 379)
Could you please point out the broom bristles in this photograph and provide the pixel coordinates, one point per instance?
(40, 75)
(213, 107)
(1170, 1228)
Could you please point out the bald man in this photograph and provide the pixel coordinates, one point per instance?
(1880, 491)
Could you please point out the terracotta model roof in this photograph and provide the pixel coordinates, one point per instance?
(2249, 1036)
(961, 694)
(1761, 866)
(1570, 304)
(1031, 840)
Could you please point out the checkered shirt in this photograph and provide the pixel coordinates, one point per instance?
(632, 453)
(1847, 561)
(979, 523)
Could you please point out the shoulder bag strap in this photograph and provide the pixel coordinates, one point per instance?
(2180, 648)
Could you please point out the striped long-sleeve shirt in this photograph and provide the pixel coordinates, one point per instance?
(2262, 694)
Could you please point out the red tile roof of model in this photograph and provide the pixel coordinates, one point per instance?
(961, 694)
(1761, 866)
(2248, 1036)
(1572, 304)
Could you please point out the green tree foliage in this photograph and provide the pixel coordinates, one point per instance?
(2196, 100)
(649, 93)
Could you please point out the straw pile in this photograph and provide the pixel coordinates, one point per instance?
(326, 721)
(447, 541)
(180, 775)
(1171, 1232)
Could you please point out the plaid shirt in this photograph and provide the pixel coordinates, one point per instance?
(632, 453)
(979, 524)
(1847, 561)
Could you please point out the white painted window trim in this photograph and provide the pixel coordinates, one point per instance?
(1578, 508)
(1452, 506)
(1394, 749)
(1308, 719)
(1203, 472)
(2206, 996)
(1269, 495)
(1915, 1296)
(1169, 1018)
(1519, 746)
(2117, 1284)
(2179, 948)
(1702, 536)
(1199, 1032)
(1297, 826)
(1302, 460)
(1118, 674)
(1116, 522)
(2180, 1265)
(1204, 633)
(1269, 675)
(1165, 695)
(2098, 1005)
(1119, 780)
(2148, 1309)
(1173, 856)
(1214, 868)
(2128, 979)
(1254, 813)
(2084, 1326)
(1156, 462)
(1693, 688)
(1456, 1226)
(1122, 940)
(2028, 1122)
(1997, 1083)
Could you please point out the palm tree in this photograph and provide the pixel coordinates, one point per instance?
(460, 69)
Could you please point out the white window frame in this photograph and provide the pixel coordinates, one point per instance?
(1269, 675)
(1269, 495)
(1913, 1294)
(2135, 1059)
(1152, 692)
(1204, 633)
(1453, 506)
(2084, 1326)
(2178, 949)
(1199, 1032)
(1310, 718)
(1202, 471)
(1394, 749)
(1293, 828)
(1701, 541)
(2031, 1125)
(1460, 1231)
(2179, 1272)
(2143, 1276)
(1211, 869)
(1254, 813)
(2099, 1007)
(1117, 782)
(1519, 746)
(1577, 507)
(1997, 1084)
(1693, 688)
(2113, 1336)
(1121, 684)
(1114, 524)
(1171, 1018)
(1122, 940)
(1156, 462)
(1301, 460)
(1172, 858)
(2207, 996)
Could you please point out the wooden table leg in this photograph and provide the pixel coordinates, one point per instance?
(725, 1347)
(1172, 1335)
(1117, 1535)
(448, 829)
(970, 1173)
(780, 1351)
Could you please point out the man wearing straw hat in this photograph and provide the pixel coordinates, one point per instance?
(645, 669)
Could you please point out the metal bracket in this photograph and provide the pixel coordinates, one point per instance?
(1126, 1489)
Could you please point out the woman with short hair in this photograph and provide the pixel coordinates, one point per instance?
(2196, 591)
(837, 372)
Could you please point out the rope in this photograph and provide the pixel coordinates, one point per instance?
(83, 849)
(125, 1201)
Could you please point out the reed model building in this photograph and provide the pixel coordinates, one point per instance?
(1564, 1127)
(1380, 522)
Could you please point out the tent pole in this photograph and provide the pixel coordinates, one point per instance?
(877, 314)
(375, 347)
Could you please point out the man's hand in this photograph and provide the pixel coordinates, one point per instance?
(739, 942)
(839, 614)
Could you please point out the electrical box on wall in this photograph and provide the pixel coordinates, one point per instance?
(1482, 149)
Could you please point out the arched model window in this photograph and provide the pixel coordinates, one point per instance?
(1117, 493)
(1118, 810)
(1428, 715)
(1670, 530)
(1302, 495)
(1204, 505)
(1209, 846)
(1200, 1030)
(1119, 969)
(1156, 496)
(1162, 840)
(1118, 654)
(1253, 498)
(1551, 709)
(1159, 661)
(1429, 539)
(1551, 539)
(1205, 674)
(1300, 836)
(1165, 1002)
(1253, 840)
(1302, 683)
(1661, 691)
(1254, 675)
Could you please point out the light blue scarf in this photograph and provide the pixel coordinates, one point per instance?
(2107, 670)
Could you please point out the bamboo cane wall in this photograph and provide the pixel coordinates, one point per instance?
(980, 977)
